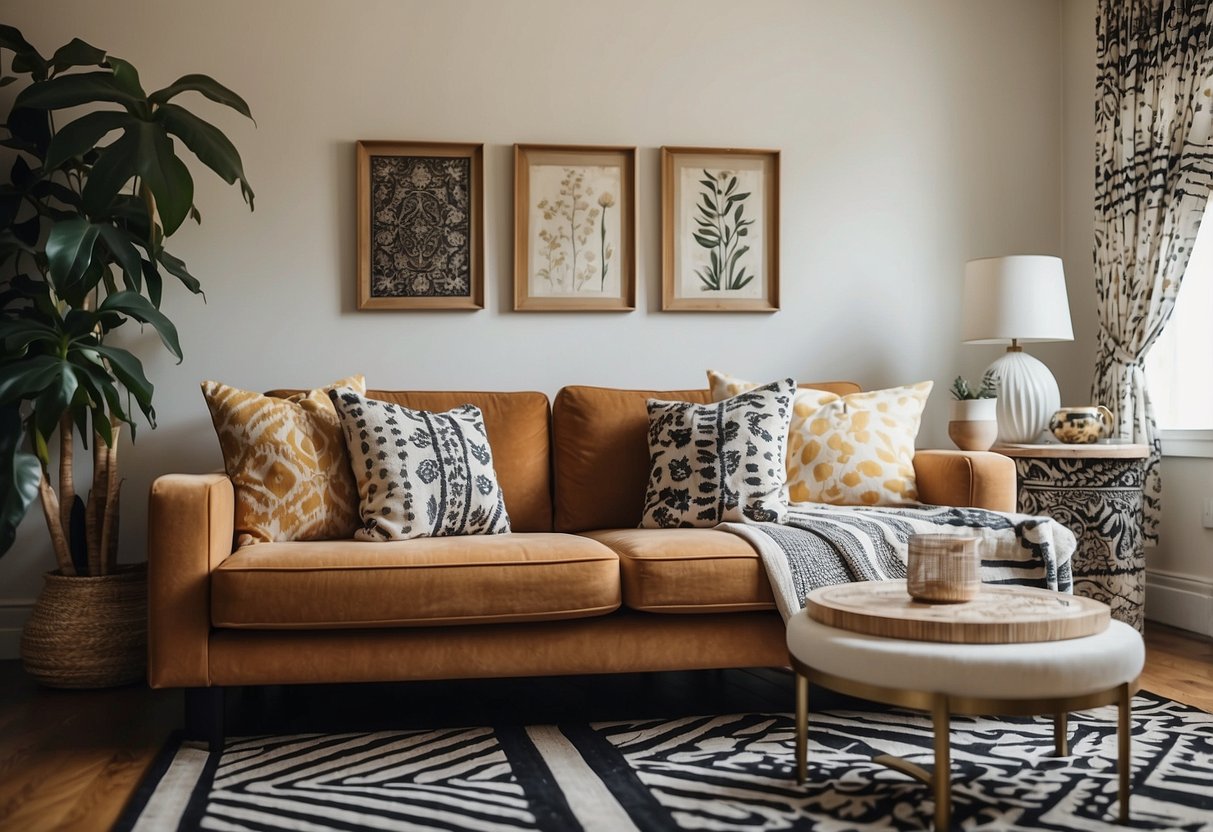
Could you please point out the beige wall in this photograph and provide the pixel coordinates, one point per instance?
(1073, 363)
(914, 135)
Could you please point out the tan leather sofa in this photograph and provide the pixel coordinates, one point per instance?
(576, 588)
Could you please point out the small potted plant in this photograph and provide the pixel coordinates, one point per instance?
(973, 424)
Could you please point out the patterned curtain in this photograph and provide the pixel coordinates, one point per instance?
(1153, 174)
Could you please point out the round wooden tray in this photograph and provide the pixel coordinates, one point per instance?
(998, 615)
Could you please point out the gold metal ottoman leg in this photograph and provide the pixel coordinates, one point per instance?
(802, 728)
(1124, 736)
(1061, 734)
(942, 779)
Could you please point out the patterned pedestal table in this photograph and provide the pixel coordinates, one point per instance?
(1096, 491)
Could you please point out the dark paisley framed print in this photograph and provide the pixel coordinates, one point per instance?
(420, 225)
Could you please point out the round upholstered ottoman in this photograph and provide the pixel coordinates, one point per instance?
(1052, 677)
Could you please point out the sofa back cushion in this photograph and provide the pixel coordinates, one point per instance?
(601, 452)
(518, 428)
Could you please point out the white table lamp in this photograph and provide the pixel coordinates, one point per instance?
(1014, 300)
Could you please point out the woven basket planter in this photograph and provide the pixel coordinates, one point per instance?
(89, 632)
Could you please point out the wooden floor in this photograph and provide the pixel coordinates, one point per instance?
(70, 760)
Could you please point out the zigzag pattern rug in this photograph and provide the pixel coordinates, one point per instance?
(732, 772)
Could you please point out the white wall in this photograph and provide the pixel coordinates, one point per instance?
(915, 136)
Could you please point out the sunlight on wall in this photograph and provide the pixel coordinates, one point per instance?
(1179, 367)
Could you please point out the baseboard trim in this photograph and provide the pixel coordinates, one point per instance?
(12, 619)
(1180, 601)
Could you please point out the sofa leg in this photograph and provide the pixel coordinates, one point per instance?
(204, 709)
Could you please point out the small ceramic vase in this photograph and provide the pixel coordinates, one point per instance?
(1082, 425)
(974, 424)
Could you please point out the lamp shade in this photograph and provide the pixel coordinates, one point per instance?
(1022, 298)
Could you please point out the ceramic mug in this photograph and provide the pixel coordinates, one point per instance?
(1082, 425)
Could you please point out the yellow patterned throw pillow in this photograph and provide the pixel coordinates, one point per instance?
(287, 461)
(853, 450)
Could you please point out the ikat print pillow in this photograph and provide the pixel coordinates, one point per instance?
(420, 474)
(287, 462)
(853, 450)
(716, 463)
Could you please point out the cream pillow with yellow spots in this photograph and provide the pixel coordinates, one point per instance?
(853, 450)
(287, 461)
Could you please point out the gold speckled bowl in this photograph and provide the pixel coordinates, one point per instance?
(1082, 425)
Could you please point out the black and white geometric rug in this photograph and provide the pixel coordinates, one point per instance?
(732, 772)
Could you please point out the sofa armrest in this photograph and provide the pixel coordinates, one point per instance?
(190, 520)
(966, 478)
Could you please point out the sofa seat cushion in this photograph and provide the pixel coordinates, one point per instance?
(421, 582)
(688, 570)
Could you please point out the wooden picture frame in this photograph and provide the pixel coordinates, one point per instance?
(574, 228)
(420, 225)
(719, 229)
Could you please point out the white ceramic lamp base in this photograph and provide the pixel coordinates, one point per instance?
(1027, 397)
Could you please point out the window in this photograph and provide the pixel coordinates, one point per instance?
(1179, 366)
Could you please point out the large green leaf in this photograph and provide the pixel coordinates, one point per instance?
(127, 368)
(11, 38)
(132, 211)
(75, 90)
(176, 267)
(55, 399)
(135, 305)
(206, 85)
(17, 335)
(69, 253)
(96, 376)
(153, 281)
(80, 136)
(113, 169)
(46, 190)
(19, 476)
(77, 53)
(31, 128)
(28, 231)
(25, 57)
(127, 78)
(166, 175)
(20, 174)
(78, 323)
(118, 241)
(23, 380)
(208, 143)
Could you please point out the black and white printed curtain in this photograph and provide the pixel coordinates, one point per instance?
(1153, 174)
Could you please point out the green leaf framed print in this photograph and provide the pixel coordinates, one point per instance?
(719, 229)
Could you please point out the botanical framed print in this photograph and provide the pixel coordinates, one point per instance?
(719, 229)
(420, 225)
(574, 228)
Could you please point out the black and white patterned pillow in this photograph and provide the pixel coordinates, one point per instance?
(420, 474)
(716, 463)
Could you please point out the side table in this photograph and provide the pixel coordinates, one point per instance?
(1017, 677)
(1096, 492)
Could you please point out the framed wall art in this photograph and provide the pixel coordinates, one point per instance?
(719, 229)
(420, 225)
(574, 228)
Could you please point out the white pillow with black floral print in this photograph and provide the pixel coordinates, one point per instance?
(852, 450)
(716, 463)
(420, 474)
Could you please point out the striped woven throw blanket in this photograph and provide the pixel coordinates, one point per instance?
(818, 545)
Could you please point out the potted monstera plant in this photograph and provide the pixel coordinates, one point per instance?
(90, 199)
